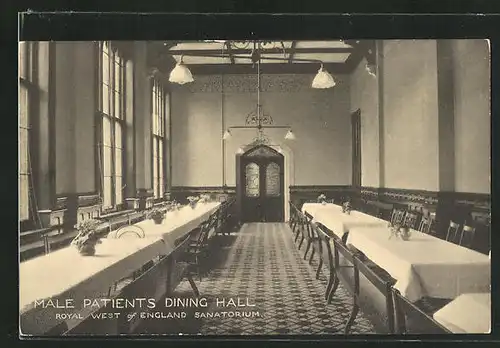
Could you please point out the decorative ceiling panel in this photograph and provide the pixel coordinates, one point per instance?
(279, 58)
(324, 57)
(321, 44)
(203, 60)
(198, 45)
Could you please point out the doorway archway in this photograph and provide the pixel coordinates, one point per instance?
(260, 184)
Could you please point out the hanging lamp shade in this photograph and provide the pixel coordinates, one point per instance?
(290, 135)
(323, 79)
(227, 135)
(180, 74)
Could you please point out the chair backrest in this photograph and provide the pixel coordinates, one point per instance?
(309, 223)
(467, 236)
(341, 249)
(425, 224)
(384, 285)
(397, 216)
(128, 231)
(452, 235)
(411, 219)
(404, 309)
(325, 239)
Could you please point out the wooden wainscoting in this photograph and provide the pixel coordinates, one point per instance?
(180, 193)
(309, 193)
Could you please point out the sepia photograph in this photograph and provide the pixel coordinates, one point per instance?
(224, 187)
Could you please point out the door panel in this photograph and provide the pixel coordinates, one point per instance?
(263, 194)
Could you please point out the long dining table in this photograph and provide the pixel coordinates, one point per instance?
(331, 216)
(468, 313)
(422, 266)
(62, 281)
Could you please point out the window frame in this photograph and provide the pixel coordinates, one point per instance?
(116, 120)
(28, 81)
(159, 98)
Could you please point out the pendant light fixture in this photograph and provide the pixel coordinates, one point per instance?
(323, 79)
(181, 74)
(290, 135)
(227, 135)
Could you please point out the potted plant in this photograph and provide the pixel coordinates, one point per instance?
(204, 198)
(87, 237)
(157, 215)
(192, 201)
(400, 230)
(322, 199)
(346, 207)
(173, 206)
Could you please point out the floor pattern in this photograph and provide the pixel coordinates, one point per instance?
(261, 268)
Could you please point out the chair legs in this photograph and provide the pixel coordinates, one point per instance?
(354, 313)
(307, 249)
(301, 241)
(333, 289)
(319, 268)
(297, 234)
(312, 255)
(193, 285)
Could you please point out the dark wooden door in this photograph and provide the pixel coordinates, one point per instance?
(261, 171)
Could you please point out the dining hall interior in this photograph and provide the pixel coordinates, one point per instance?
(225, 187)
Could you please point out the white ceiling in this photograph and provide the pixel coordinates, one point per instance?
(278, 58)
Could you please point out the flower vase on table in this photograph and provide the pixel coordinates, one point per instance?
(405, 233)
(174, 207)
(204, 198)
(193, 201)
(346, 208)
(322, 199)
(87, 237)
(157, 215)
(399, 231)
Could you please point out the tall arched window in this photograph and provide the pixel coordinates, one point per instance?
(25, 87)
(111, 107)
(158, 120)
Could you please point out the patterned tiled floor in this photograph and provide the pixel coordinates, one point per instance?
(261, 266)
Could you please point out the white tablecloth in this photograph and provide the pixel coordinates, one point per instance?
(468, 313)
(178, 223)
(64, 274)
(331, 216)
(424, 265)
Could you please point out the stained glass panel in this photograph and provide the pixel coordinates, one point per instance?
(252, 176)
(263, 151)
(273, 180)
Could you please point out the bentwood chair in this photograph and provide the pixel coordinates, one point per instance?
(397, 216)
(425, 224)
(407, 313)
(294, 217)
(467, 236)
(453, 233)
(198, 244)
(325, 255)
(303, 229)
(312, 238)
(410, 219)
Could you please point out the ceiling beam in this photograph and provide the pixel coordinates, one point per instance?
(361, 49)
(271, 68)
(212, 52)
(292, 52)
